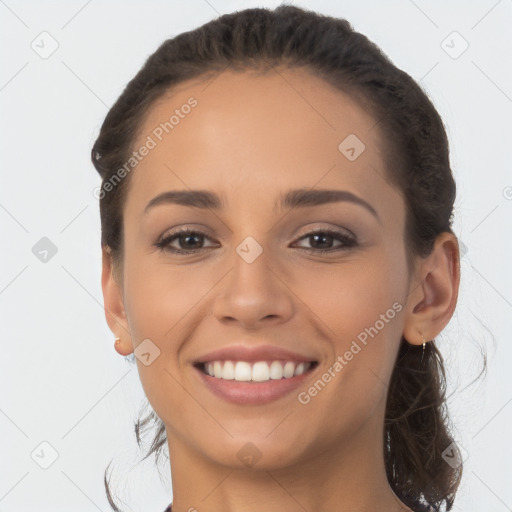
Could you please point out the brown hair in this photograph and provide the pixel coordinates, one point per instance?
(416, 427)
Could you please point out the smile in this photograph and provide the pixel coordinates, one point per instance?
(260, 371)
(253, 383)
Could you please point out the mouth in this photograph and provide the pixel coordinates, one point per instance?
(255, 371)
(253, 382)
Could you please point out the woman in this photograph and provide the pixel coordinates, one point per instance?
(276, 209)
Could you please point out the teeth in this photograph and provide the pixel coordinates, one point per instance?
(260, 371)
(228, 371)
(276, 370)
(289, 368)
(300, 369)
(242, 371)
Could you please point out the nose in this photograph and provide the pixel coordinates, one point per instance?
(254, 294)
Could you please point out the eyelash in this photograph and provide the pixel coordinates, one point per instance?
(164, 243)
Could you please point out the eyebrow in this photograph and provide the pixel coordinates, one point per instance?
(296, 198)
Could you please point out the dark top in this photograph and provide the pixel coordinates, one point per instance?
(418, 508)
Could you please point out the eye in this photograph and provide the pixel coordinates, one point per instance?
(190, 241)
(187, 239)
(323, 240)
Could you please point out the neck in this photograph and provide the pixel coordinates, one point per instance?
(348, 477)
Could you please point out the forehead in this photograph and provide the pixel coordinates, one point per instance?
(244, 134)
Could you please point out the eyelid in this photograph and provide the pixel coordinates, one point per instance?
(186, 228)
(348, 241)
(304, 231)
(336, 229)
(182, 231)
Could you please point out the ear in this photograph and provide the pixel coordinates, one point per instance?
(433, 291)
(114, 305)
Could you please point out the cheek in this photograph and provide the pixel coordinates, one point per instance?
(352, 297)
(159, 296)
(160, 302)
(357, 306)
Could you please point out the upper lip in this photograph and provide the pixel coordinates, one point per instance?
(258, 353)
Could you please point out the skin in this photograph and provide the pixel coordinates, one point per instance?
(249, 139)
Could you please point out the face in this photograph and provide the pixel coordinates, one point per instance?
(324, 279)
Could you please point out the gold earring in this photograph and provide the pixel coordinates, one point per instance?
(118, 341)
(424, 345)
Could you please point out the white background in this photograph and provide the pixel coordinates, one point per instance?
(61, 380)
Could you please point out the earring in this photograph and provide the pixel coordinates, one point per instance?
(424, 346)
(118, 341)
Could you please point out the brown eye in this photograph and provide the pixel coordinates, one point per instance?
(188, 241)
(322, 241)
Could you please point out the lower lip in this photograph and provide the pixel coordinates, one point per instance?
(249, 392)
